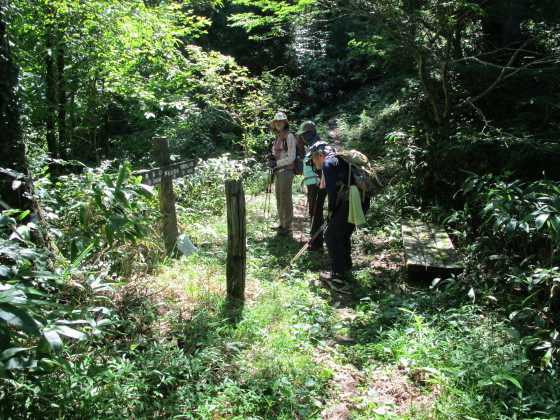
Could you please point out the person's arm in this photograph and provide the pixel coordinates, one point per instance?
(291, 152)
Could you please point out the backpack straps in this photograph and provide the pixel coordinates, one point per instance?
(285, 141)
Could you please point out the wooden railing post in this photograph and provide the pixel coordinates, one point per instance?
(166, 197)
(237, 236)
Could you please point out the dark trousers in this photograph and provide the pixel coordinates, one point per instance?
(316, 199)
(337, 237)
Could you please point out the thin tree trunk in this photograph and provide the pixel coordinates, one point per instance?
(12, 156)
(105, 135)
(62, 103)
(51, 96)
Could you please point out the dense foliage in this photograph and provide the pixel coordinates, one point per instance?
(458, 103)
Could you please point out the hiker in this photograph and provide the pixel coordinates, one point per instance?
(281, 161)
(311, 176)
(341, 200)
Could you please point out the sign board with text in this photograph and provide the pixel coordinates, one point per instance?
(167, 173)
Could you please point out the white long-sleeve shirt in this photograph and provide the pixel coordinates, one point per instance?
(284, 157)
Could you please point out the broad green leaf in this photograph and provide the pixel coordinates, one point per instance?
(14, 296)
(108, 181)
(84, 254)
(21, 363)
(499, 378)
(54, 340)
(23, 215)
(97, 197)
(109, 234)
(541, 220)
(121, 198)
(121, 175)
(83, 216)
(511, 227)
(547, 358)
(7, 221)
(18, 318)
(39, 275)
(73, 250)
(69, 332)
(513, 333)
(9, 353)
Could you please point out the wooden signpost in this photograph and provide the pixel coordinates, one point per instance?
(163, 177)
(237, 241)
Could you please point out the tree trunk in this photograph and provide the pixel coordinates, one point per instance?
(12, 157)
(501, 25)
(62, 103)
(51, 96)
(105, 135)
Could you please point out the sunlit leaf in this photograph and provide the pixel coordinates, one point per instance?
(18, 318)
(69, 332)
(54, 340)
(541, 220)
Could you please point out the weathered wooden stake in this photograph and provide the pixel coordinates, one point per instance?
(166, 197)
(237, 237)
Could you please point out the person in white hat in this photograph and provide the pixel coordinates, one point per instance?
(282, 161)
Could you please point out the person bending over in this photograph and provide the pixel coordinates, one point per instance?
(336, 179)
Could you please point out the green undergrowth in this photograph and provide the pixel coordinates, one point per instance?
(413, 350)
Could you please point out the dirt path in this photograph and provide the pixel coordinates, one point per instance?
(352, 389)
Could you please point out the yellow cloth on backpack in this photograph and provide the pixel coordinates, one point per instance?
(355, 213)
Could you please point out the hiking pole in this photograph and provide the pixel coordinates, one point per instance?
(267, 197)
(301, 251)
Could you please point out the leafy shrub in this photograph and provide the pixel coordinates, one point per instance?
(104, 209)
(513, 228)
(90, 222)
(519, 217)
(36, 311)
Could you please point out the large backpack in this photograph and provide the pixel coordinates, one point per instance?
(368, 181)
(297, 166)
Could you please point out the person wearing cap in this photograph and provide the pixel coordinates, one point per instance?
(281, 161)
(338, 234)
(307, 133)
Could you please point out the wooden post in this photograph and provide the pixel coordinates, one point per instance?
(166, 197)
(237, 236)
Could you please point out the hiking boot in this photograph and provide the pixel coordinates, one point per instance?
(332, 277)
(345, 289)
(336, 282)
(285, 232)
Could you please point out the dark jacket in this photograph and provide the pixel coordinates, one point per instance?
(335, 171)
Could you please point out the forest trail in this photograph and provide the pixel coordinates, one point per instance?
(352, 387)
